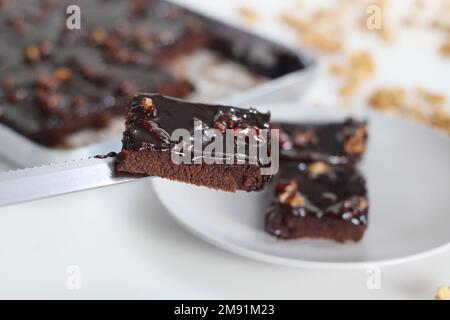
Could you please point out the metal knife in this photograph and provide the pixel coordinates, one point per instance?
(56, 179)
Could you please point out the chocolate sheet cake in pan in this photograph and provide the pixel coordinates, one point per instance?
(56, 82)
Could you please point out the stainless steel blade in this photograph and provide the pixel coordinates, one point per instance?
(41, 182)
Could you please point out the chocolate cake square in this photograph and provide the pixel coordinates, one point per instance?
(148, 147)
(318, 200)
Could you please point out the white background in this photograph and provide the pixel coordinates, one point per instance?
(127, 246)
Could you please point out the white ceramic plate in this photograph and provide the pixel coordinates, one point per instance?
(407, 167)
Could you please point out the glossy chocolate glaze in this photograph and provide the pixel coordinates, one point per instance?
(320, 142)
(152, 131)
(338, 193)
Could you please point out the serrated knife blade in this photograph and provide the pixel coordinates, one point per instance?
(56, 179)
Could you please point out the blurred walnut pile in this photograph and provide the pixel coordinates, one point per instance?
(326, 30)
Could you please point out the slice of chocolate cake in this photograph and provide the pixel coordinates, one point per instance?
(149, 149)
(318, 200)
(335, 143)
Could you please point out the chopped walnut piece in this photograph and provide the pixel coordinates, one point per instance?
(443, 293)
(288, 194)
(362, 64)
(419, 4)
(440, 118)
(147, 105)
(293, 199)
(445, 48)
(226, 120)
(414, 112)
(429, 97)
(337, 70)
(32, 54)
(294, 22)
(220, 126)
(50, 101)
(441, 22)
(428, 107)
(318, 168)
(249, 14)
(358, 68)
(297, 200)
(356, 142)
(385, 99)
(321, 42)
(362, 204)
(321, 30)
(63, 74)
(99, 35)
(286, 186)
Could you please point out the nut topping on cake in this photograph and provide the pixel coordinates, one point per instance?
(288, 194)
(318, 168)
(147, 105)
(355, 143)
(32, 54)
(305, 138)
(226, 120)
(293, 199)
(286, 186)
(63, 74)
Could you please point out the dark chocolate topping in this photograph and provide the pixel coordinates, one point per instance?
(152, 130)
(335, 192)
(323, 142)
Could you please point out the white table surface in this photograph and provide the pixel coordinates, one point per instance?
(127, 246)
